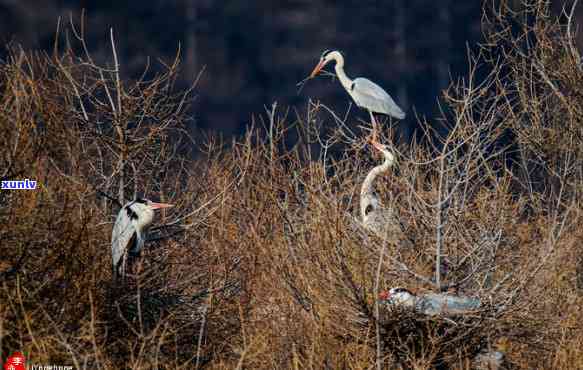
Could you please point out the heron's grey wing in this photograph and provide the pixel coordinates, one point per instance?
(446, 304)
(121, 237)
(371, 96)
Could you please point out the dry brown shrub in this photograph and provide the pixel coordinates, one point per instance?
(263, 262)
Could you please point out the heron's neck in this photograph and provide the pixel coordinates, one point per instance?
(140, 235)
(344, 80)
(366, 191)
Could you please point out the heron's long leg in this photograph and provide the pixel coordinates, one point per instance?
(374, 126)
(122, 268)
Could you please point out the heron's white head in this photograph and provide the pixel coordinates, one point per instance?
(327, 57)
(399, 296)
(143, 210)
(383, 149)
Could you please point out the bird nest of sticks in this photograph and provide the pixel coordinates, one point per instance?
(406, 334)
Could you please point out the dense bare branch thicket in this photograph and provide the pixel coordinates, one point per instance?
(263, 263)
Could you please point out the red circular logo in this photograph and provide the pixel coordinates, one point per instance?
(15, 362)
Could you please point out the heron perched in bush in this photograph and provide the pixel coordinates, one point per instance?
(129, 232)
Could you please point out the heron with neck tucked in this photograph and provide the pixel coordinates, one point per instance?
(365, 93)
(130, 232)
(431, 304)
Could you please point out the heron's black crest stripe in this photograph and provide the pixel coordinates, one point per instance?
(131, 214)
(401, 290)
(140, 200)
(132, 247)
(368, 209)
(324, 53)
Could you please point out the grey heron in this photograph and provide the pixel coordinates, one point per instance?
(381, 220)
(430, 304)
(129, 231)
(365, 93)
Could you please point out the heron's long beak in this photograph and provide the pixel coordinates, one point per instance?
(160, 205)
(377, 146)
(374, 142)
(319, 67)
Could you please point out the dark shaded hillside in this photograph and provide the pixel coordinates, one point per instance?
(254, 52)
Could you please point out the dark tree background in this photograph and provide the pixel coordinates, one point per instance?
(254, 52)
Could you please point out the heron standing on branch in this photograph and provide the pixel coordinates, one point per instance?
(381, 220)
(129, 232)
(365, 93)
